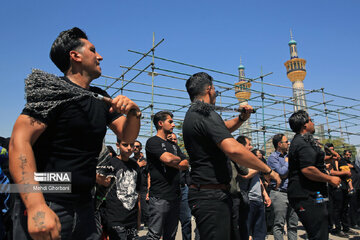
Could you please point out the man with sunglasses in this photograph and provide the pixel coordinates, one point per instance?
(278, 161)
(308, 178)
(209, 143)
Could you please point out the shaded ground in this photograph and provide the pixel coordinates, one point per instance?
(301, 234)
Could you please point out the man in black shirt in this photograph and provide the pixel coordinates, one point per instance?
(68, 139)
(122, 201)
(209, 144)
(165, 159)
(307, 176)
(141, 161)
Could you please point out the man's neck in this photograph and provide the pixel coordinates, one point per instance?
(161, 134)
(204, 99)
(303, 131)
(280, 151)
(79, 79)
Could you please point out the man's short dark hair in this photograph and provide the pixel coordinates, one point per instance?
(242, 139)
(197, 84)
(139, 143)
(329, 144)
(161, 116)
(276, 139)
(346, 150)
(66, 41)
(297, 120)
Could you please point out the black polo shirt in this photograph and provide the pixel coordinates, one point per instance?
(164, 180)
(304, 153)
(203, 129)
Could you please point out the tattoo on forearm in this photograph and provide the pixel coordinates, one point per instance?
(23, 180)
(23, 163)
(39, 220)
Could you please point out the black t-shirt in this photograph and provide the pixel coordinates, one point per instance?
(71, 143)
(164, 180)
(144, 170)
(304, 153)
(203, 128)
(121, 202)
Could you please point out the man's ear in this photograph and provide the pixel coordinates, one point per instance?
(117, 145)
(75, 56)
(160, 123)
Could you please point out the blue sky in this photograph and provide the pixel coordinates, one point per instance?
(212, 34)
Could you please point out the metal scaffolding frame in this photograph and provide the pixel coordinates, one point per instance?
(162, 87)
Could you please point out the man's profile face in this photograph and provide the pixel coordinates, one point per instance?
(248, 145)
(310, 126)
(90, 59)
(259, 155)
(212, 94)
(137, 148)
(284, 144)
(347, 155)
(168, 125)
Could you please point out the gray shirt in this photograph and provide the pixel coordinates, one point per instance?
(255, 189)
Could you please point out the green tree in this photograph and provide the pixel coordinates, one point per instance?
(180, 138)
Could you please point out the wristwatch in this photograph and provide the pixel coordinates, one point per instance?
(268, 173)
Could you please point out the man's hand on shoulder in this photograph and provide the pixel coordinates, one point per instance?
(43, 223)
(141, 163)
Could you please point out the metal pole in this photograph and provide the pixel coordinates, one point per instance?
(144, 55)
(347, 133)
(220, 103)
(263, 109)
(122, 83)
(257, 132)
(326, 113)
(284, 114)
(341, 133)
(152, 83)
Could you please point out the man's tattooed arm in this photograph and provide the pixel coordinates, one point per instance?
(22, 162)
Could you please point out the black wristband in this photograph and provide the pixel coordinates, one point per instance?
(268, 173)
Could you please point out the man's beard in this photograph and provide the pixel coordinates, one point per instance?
(167, 132)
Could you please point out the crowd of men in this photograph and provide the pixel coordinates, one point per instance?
(225, 184)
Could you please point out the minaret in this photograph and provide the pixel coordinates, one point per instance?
(296, 72)
(242, 93)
